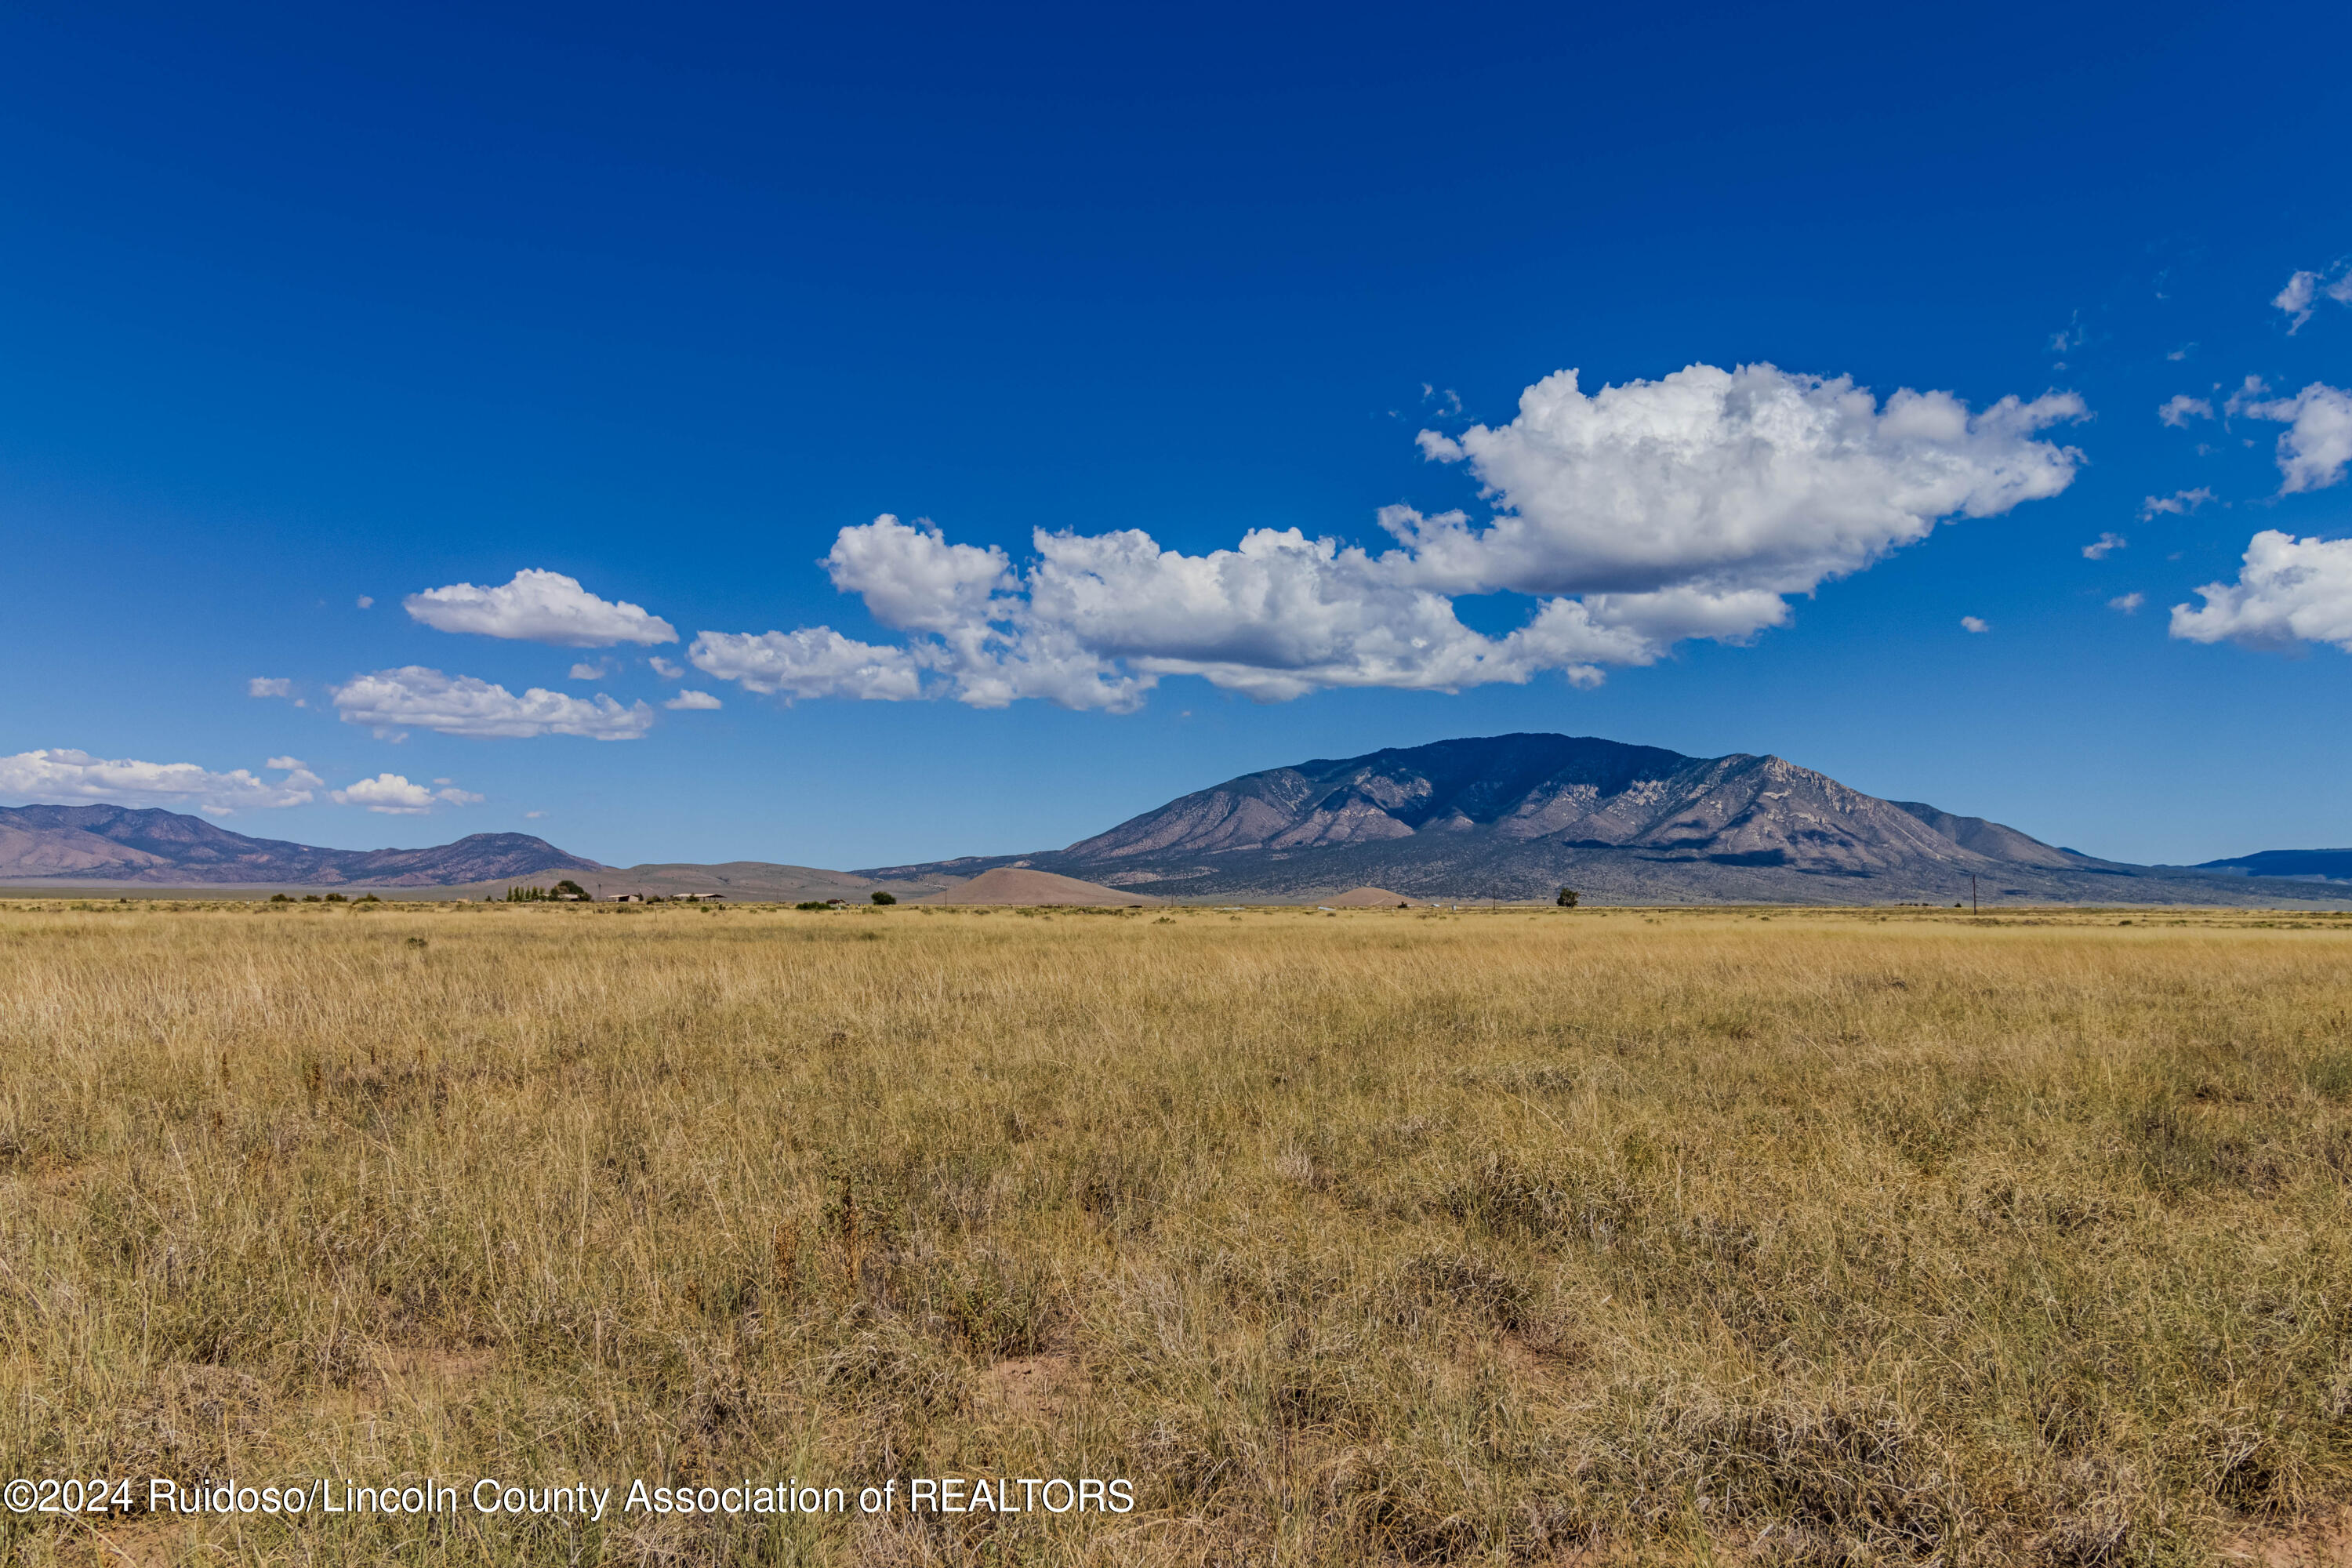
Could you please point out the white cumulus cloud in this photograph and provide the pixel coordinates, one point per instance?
(1636, 516)
(413, 696)
(816, 661)
(667, 670)
(62, 775)
(268, 686)
(1975, 623)
(2288, 591)
(2318, 441)
(2107, 544)
(538, 606)
(393, 795)
(2180, 408)
(693, 700)
(584, 670)
(2128, 603)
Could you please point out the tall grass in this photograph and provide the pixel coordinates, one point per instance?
(1385, 1237)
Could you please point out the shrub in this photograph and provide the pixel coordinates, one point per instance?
(337, 898)
(280, 899)
(882, 898)
(1567, 899)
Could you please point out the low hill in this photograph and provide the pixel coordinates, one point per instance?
(1010, 885)
(1365, 898)
(114, 844)
(2304, 865)
(755, 882)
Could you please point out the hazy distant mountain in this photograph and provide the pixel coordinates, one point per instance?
(164, 848)
(2323, 865)
(1519, 816)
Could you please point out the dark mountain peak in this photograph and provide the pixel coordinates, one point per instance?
(1519, 815)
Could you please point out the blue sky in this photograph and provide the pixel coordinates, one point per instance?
(304, 309)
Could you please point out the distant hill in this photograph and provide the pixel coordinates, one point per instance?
(164, 848)
(1517, 816)
(2323, 865)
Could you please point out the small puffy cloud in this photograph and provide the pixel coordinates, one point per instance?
(2128, 603)
(366, 602)
(268, 686)
(586, 671)
(2178, 503)
(1974, 624)
(413, 696)
(693, 700)
(64, 776)
(816, 661)
(2107, 544)
(2304, 289)
(393, 795)
(2252, 390)
(2288, 591)
(2317, 445)
(538, 606)
(2295, 299)
(667, 668)
(285, 763)
(534, 815)
(2180, 408)
(1636, 517)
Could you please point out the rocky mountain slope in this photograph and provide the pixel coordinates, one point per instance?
(164, 848)
(1516, 816)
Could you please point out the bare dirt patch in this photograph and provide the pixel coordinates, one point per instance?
(2324, 1541)
(1033, 1388)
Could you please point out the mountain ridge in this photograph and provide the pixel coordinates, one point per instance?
(151, 846)
(1518, 815)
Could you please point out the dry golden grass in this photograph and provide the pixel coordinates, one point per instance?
(1511, 1236)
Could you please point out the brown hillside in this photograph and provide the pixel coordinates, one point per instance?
(1015, 885)
(1366, 898)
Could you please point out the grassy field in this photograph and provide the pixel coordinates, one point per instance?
(1492, 1237)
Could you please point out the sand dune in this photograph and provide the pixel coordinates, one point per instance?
(1014, 885)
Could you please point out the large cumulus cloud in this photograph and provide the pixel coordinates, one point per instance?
(1636, 518)
(2288, 591)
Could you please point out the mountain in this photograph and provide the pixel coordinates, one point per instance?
(1518, 817)
(164, 848)
(2320, 864)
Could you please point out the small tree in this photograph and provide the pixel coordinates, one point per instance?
(1567, 899)
(883, 898)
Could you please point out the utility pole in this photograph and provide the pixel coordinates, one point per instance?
(1974, 908)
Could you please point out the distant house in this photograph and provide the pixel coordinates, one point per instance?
(628, 898)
